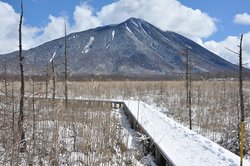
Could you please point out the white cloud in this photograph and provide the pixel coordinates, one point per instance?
(84, 18)
(165, 14)
(243, 18)
(53, 30)
(32, 36)
(29, 36)
(8, 28)
(231, 43)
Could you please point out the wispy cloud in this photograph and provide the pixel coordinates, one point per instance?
(242, 18)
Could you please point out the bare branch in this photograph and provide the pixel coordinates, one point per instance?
(232, 51)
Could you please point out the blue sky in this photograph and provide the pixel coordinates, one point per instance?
(37, 12)
(211, 23)
(224, 11)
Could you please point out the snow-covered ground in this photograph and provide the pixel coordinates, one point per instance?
(181, 145)
(78, 136)
(181, 137)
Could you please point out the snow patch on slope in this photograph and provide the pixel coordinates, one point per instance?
(135, 23)
(201, 69)
(113, 34)
(166, 38)
(138, 25)
(87, 46)
(144, 31)
(189, 47)
(108, 45)
(130, 31)
(112, 38)
(53, 56)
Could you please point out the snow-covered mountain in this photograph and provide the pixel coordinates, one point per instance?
(133, 47)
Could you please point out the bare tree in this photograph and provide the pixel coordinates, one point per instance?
(46, 81)
(188, 89)
(21, 105)
(241, 103)
(5, 88)
(53, 76)
(13, 113)
(66, 83)
(65, 66)
(242, 114)
(33, 120)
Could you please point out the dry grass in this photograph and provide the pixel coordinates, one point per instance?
(82, 134)
(214, 112)
(215, 104)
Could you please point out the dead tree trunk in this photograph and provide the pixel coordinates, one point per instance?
(13, 113)
(33, 121)
(33, 111)
(65, 67)
(5, 102)
(189, 102)
(21, 105)
(53, 76)
(241, 103)
(241, 114)
(188, 89)
(53, 80)
(241, 82)
(46, 82)
(6, 91)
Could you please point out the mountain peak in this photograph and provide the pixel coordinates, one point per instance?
(134, 47)
(136, 21)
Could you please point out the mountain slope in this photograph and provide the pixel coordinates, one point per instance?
(134, 47)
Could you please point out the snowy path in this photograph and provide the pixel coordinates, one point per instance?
(182, 146)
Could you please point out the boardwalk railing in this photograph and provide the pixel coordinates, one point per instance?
(149, 146)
